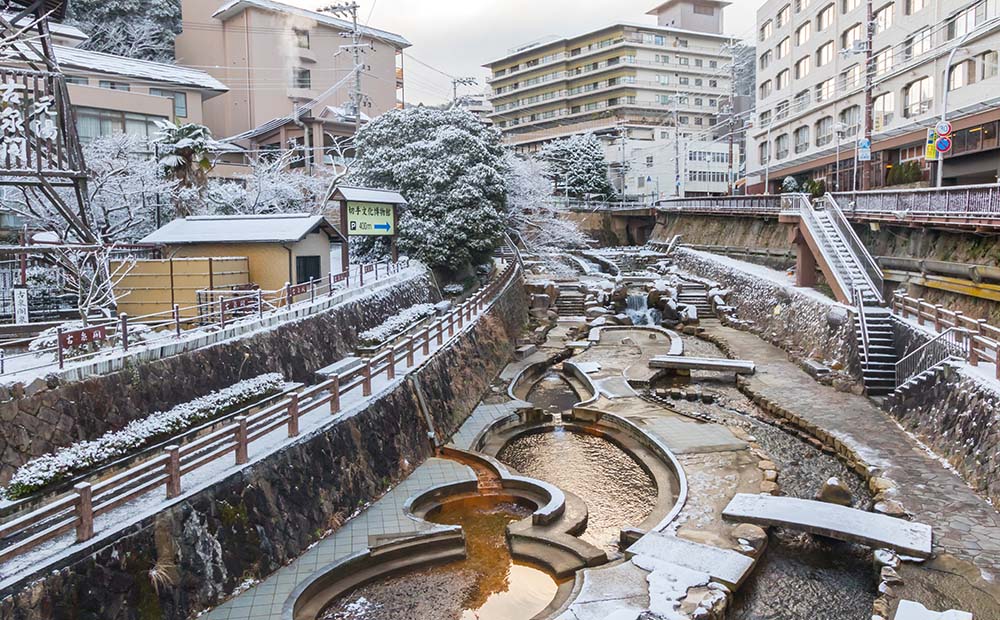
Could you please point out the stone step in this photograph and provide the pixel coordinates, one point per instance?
(727, 567)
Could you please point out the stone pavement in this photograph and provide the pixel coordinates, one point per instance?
(385, 515)
(965, 525)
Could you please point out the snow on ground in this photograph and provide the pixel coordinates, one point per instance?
(311, 424)
(24, 368)
(780, 278)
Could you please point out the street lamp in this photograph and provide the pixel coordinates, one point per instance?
(946, 88)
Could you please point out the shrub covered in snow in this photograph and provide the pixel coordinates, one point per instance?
(453, 289)
(66, 462)
(396, 324)
(450, 168)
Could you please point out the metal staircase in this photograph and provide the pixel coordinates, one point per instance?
(860, 280)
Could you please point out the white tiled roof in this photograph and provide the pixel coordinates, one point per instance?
(72, 57)
(234, 6)
(278, 228)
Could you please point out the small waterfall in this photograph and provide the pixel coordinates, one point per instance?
(637, 309)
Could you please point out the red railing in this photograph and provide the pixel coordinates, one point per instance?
(984, 339)
(223, 308)
(77, 510)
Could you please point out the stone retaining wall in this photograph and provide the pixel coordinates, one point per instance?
(49, 413)
(955, 414)
(194, 553)
(804, 325)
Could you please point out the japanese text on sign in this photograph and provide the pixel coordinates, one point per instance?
(370, 219)
(82, 336)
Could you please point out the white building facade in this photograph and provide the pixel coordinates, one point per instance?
(810, 109)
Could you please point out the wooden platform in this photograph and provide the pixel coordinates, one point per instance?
(832, 521)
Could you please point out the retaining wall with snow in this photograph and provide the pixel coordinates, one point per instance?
(202, 546)
(52, 412)
(803, 322)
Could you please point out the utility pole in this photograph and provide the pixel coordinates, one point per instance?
(866, 168)
(623, 133)
(351, 9)
(732, 111)
(462, 81)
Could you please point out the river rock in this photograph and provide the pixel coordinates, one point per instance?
(837, 317)
(834, 491)
(596, 311)
(540, 301)
(751, 536)
(891, 508)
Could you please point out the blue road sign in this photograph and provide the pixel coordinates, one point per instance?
(943, 144)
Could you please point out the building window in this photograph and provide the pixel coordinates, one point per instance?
(962, 74)
(783, 16)
(883, 61)
(114, 85)
(699, 120)
(967, 20)
(93, 123)
(302, 38)
(918, 97)
(765, 59)
(698, 62)
(713, 64)
(180, 100)
(883, 110)
(825, 18)
(301, 78)
(851, 78)
(850, 119)
(765, 118)
(75, 79)
(684, 80)
(782, 80)
(713, 83)
(781, 146)
(683, 60)
(683, 120)
(913, 6)
(824, 131)
(801, 4)
(824, 54)
(801, 140)
(781, 110)
(766, 30)
(919, 43)
(850, 36)
(801, 100)
(762, 152)
(784, 47)
(883, 17)
(698, 82)
(649, 161)
(307, 269)
(848, 5)
(988, 65)
(704, 9)
(802, 67)
(765, 89)
(802, 33)
(698, 101)
(825, 90)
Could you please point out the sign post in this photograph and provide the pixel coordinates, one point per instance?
(930, 148)
(20, 304)
(366, 212)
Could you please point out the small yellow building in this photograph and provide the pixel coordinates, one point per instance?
(288, 248)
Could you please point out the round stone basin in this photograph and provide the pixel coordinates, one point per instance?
(487, 585)
(618, 490)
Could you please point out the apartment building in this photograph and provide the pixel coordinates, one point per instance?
(116, 95)
(811, 89)
(277, 58)
(649, 86)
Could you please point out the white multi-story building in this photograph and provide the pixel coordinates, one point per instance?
(811, 89)
(661, 86)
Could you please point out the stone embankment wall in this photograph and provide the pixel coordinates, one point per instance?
(804, 324)
(47, 414)
(955, 414)
(742, 232)
(194, 553)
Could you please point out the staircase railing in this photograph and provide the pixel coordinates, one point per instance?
(873, 274)
(831, 254)
(951, 343)
(859, 303)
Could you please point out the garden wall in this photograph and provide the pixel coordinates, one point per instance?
(193, 554)
(50, 413)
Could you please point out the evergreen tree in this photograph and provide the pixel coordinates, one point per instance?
(450, 168)
(143, 29)
(578, 166)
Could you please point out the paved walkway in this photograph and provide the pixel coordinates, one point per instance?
(385, 516)
(965, 525)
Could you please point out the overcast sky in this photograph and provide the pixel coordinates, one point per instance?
(458, 36)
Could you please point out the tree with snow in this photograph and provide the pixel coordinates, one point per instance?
(532, 216)
(142, 29)
(185, 154)
(270, 187)
(126, 188)
(578, 166)
(451, 169)
(93, 276)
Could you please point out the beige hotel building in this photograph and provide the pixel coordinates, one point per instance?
(810, 89)
(636, 79)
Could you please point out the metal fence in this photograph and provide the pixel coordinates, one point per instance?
(966, 200)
